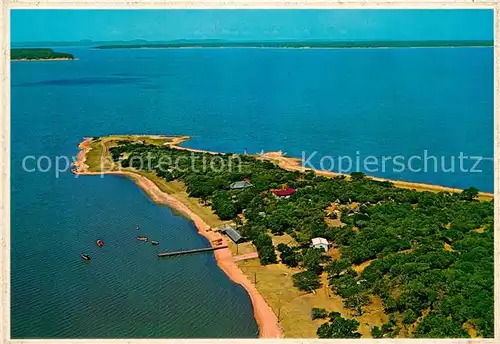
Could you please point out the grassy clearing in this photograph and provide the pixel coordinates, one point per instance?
(293, 307)
(359, 268)
(94, 156)
(243, 248)
(283, 239)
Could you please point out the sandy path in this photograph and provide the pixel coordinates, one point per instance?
(266, 319)
(246, 256)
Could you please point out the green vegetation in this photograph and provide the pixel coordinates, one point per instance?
(318, 313)
(377, 332)
(289, 255)
(306, 281)
(339, 327)
(428, 256)
(38, 54)
(299, 44)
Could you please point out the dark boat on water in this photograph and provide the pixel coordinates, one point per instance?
(85, 256)
(155, 243)
(142, 238)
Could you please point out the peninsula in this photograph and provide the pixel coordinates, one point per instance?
(35, 54)
(323, 255)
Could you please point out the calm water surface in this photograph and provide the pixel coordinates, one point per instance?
(360, 102)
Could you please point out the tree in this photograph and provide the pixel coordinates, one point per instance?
(265, 248)
(339, 327)
(312, 258)
(336, 266)
(377, 332)
(409, 316)
(469, 194)
(356, 302)
(357, 175)
(223, 206)
(288, 255)
(439, 326)
(318, 313)
(306, 281)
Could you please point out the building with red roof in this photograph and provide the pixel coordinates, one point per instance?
(285, 191)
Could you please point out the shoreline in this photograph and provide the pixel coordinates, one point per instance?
(263, 314)
(52, 59)
(294, 164)
(299, 47)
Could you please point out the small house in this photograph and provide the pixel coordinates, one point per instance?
(240, 185)
(320, 243)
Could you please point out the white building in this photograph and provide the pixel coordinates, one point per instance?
(320, 243)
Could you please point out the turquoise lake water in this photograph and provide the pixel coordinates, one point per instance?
(380, 102)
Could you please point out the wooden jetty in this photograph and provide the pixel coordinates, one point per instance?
(177, 253)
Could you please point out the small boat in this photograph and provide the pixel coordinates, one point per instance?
(155, 242)
(99, 243)
(85, 256)
(137, 228)
(142, 238)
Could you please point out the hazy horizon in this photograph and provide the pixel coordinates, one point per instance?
(255, 40)
(251, 25)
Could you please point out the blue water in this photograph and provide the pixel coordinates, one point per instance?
(335, 102)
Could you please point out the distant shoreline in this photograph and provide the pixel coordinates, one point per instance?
(292, 48)
(302, 45)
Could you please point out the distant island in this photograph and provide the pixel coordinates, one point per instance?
(296, 44)
(28, 54)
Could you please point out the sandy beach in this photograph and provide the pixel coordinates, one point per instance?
(295, 164)
(266, 319)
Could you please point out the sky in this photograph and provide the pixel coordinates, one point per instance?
(164, 25)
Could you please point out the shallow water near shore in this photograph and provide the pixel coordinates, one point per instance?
(379, 102)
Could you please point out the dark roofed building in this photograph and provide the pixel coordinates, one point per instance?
(233, 234)
(240, 185)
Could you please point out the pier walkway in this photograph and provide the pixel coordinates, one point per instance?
(177, 253)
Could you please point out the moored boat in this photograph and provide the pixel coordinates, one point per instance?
(85, 256)
(155, 242)
(100, 243)
(142, 238)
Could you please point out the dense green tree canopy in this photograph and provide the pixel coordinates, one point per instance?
(339, 327)
(430, 254)
(37, 54)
